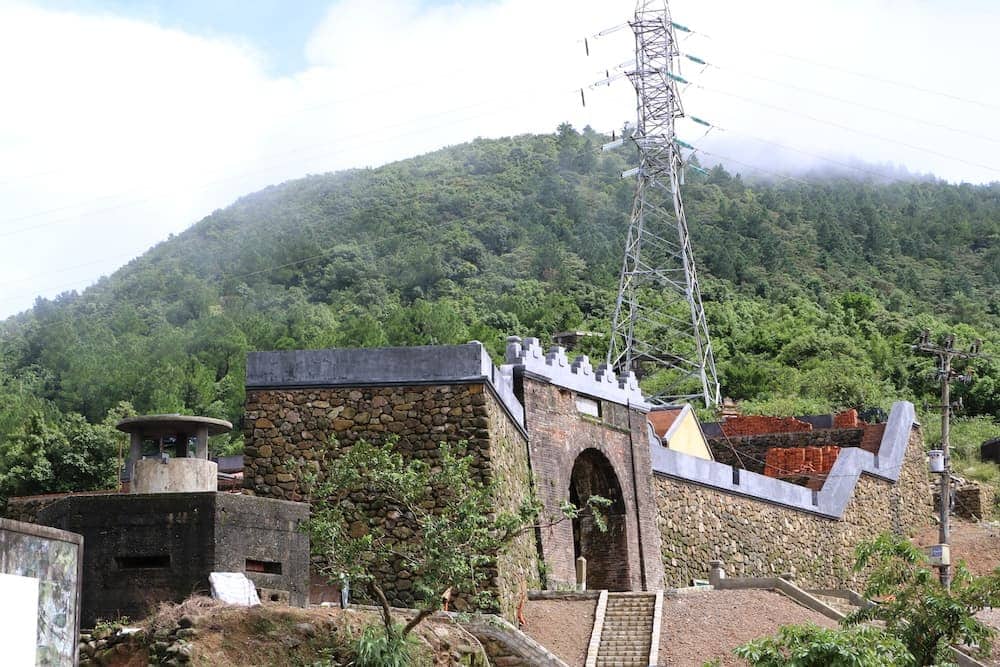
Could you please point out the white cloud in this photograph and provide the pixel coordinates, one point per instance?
(115, 133)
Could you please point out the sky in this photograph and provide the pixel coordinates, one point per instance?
(125, 121)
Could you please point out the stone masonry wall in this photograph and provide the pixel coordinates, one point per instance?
(755, 538)
(291, 429)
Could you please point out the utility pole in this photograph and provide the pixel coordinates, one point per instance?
(659, 321)
(946, 354)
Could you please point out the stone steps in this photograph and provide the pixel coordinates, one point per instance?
(625, 635)
(843, 605)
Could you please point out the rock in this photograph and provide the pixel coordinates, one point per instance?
(358, 529)
(307, 629)
(185, 622)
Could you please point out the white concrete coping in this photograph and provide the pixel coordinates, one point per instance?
(783, 586)
(595, 636)
(837, 491)
(654, 635)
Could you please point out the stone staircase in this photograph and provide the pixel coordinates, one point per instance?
(627, 629)
(841, 603)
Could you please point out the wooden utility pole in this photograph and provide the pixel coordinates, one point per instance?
(946, 353)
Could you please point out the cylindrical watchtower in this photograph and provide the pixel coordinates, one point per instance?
(169, 453)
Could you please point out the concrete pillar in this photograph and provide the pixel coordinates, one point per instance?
(201, 450)
(134, 454)
(581, 573)
(716, 572)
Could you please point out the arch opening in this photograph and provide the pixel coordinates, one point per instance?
(606, 551)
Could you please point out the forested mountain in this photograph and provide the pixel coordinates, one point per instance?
(812, 291)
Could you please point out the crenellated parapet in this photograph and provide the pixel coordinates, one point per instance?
(578, 375)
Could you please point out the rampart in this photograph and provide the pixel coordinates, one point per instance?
(760, 526)
(303, 406)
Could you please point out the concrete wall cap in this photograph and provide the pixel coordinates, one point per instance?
(352, 367)
(837, 491)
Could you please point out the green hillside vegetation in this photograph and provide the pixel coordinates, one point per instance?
(813, 291)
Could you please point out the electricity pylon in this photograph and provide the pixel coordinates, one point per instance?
(659, 329)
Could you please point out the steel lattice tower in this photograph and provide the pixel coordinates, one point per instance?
(659, 329)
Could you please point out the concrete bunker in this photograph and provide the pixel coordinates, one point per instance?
(162, 540)
(606, 551)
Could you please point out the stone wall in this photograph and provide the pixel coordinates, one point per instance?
(972, 501)
(757, 538)
(289, 430)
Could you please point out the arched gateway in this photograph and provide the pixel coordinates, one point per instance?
(606, 551)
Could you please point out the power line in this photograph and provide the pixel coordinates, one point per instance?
(860, 105)
(847, 128)
(864, 75)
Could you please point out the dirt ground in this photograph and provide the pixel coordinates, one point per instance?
(562, 626)
(278, 636)
(698, 627)
(978, 544)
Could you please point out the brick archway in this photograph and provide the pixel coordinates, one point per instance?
(606, 552)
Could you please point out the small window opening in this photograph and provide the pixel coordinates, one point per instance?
(265, 566)
(160, 561)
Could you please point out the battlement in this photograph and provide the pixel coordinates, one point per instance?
(579, 375)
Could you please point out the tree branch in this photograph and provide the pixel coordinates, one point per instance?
(421, 615)
(386, 609)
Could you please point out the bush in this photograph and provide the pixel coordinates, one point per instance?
(376, 648)
(916, 608)
(812, 646)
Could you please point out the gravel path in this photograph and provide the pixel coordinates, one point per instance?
(562, 626)
(698, 627)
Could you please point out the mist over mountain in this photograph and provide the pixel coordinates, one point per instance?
(813, 287)
(758, 161)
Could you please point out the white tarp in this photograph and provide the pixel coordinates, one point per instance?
(18, 619)
(233, 588)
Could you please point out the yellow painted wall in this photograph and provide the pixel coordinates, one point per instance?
(687, 437)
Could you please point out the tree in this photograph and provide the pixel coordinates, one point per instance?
(439, 523)
(916, 608)
(64, 454)
(812, 646)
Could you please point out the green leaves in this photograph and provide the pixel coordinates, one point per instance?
(378, 512)
(812, 646)
(913, 605)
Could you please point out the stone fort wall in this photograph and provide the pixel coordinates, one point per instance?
(293, 423)
(757, 537)
(531, 421)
